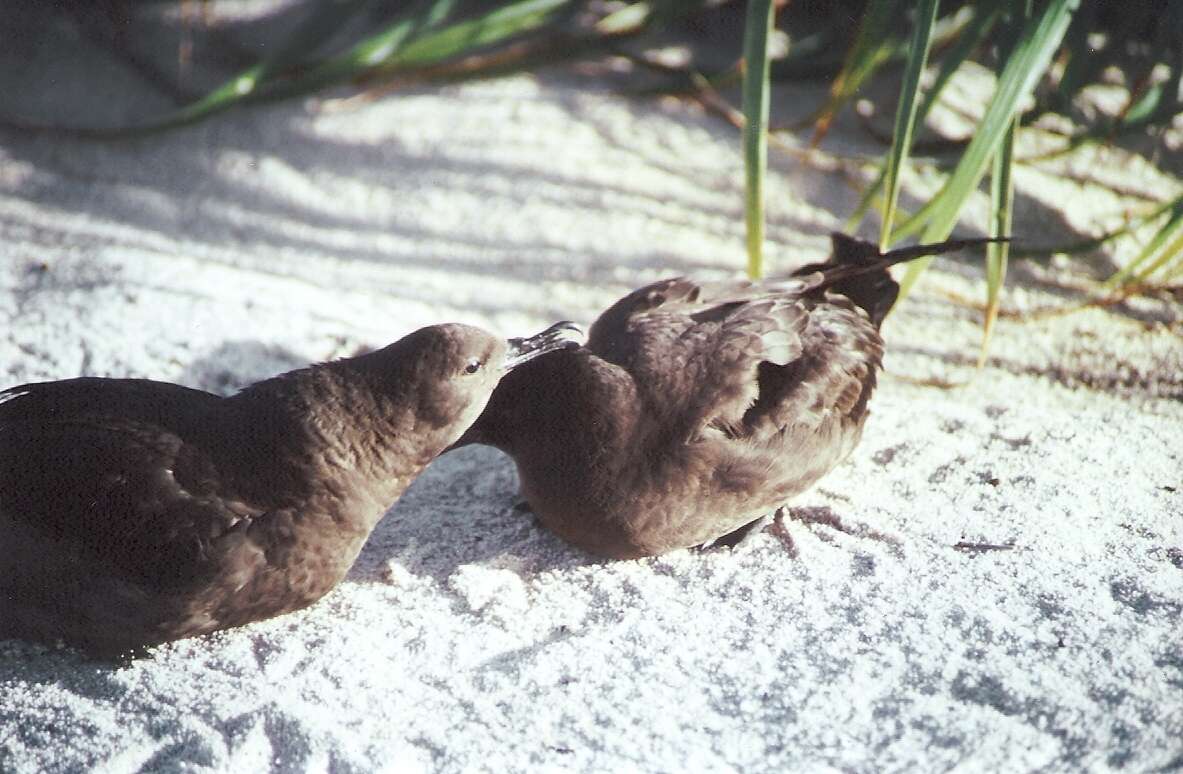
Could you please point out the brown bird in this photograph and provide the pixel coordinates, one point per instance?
(695, 409)
(135, 512)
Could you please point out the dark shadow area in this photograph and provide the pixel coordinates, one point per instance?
(69, 669)
(237, 364)
(461, 511)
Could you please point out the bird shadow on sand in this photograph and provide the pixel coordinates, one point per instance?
(233, 365)
(461, 511)
(34, 664)
(465, 510)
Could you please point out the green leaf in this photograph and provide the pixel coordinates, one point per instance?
(905, 114)
(757, 30)
(985, 17)
(872, 47)
(983, 20)
(630, 18)
(409, 41)
(1002, 196)
(317, 26)
(461, 37)
(1130, 274)
(1173, 252)
(1023, 69)
(256, 83)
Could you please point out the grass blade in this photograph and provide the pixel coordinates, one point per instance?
(406, 42)
(1130, 274)
(316, 27)
(256, 83)
(1081, 65)
(983, 20)
(1002, 195)
(630, 18)
(410, 41)
(1173, 252)
(1032, 54)
(985, 16)
(905, 114)
(1031, 249)
(872, 47)
(757, 30)
(493, 27)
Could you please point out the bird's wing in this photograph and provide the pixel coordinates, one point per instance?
(132, 491)
(171, 406)
(694, 350)
(833, 376)
(612, 331)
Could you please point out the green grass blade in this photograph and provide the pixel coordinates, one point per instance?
(1174, 271)
(1130, 272)
(905, 114)
(1080, 246)
(366, 55)
(983, 20)
(630, 18)
(255, 82)
(872, 47)
(1160, 103)
(412, 41)
(1023, 69)
(1002, 196)
(1082, 65)
(506, 22)
(1173, 252)
(316, 27)
(757, 30)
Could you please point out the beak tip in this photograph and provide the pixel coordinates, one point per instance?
(569, 334)
(561, 335)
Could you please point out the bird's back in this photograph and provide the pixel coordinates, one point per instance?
(752, 392)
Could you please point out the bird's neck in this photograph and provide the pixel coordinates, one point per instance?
(339, 430)
(563, 406)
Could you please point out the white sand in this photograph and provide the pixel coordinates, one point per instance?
(467, 638)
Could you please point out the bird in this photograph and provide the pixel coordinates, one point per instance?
(694, 409)
(137, 512)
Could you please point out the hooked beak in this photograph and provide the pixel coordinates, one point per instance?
(561, 335)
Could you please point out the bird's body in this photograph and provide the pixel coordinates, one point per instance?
(697, 408)
(135, 512)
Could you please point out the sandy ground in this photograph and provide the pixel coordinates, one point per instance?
(467, 638)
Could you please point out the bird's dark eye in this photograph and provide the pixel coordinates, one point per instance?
(473, 366)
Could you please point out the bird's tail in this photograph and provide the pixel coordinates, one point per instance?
(858, 270)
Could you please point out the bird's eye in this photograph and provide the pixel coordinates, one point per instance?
(473, 366)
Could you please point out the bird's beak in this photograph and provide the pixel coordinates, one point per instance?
(562, 335)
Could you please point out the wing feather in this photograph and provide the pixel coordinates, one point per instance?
(695, 350)
(129, 488)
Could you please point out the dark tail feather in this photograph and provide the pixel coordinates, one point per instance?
(857, 269)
